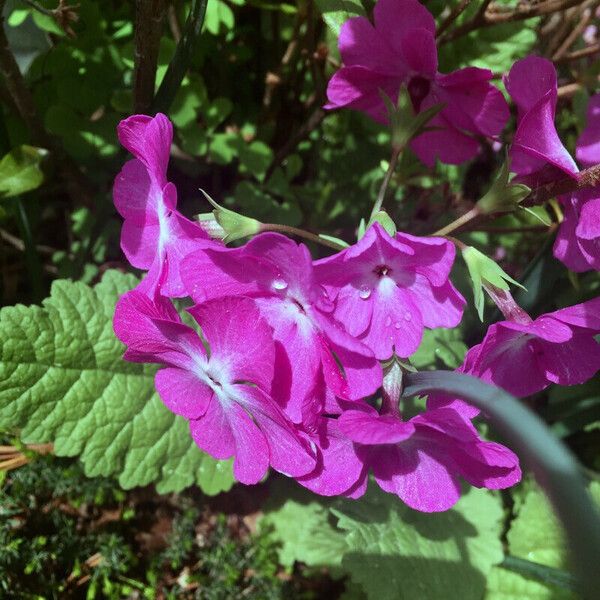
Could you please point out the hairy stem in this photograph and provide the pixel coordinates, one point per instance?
(460, 222)
(307, 235)
(396, 151)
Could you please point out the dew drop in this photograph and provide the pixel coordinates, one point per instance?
(279, 284)
(407, 316)
(388, 321)
(397, 325)
(364, 293)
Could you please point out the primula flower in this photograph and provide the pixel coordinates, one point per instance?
(422, 460)
(537, 155)
(400, 49)
(524, 356)
(578, 239)
(388, 289)
(155, 236)
(221, 389)
(278, 273)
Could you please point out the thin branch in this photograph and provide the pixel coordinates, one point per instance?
(585, 179)
(576, 54)
(452, 16)
(148, 26)
(585, 14)
(488, 16)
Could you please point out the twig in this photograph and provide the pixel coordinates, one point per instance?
(19, 244)
(576, 54)
(452, 16)
(148, 21)
(585, 179)
(566, 91)
(39, 8)
(586, 14)
(486, 17)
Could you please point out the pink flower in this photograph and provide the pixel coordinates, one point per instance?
(588, 145)
(578, 240)
(278, 273)
(155, 236)
(525, 357)
(387, 290)
(537, 154)
(399, 49)
(422, 460)
(223, 391)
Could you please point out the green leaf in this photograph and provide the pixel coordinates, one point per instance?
(255, 158)
(395, 552)
(337, 12)
(303, 526)
(63, 380)
(444, 344)
(20, 171)
(483, 270)
(534, 535)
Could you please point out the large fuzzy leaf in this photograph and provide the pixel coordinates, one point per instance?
(63, 380)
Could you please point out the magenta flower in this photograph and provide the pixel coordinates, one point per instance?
(578, 239)
(525, 357)
(399, 49)
(223, 391)
(577, 242)
(155, 236)
(537, 154)
(588, 144)
(387, 290)
(422, 460)
(278, 273)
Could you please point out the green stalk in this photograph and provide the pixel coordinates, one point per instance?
(555, 468)
(32, 260)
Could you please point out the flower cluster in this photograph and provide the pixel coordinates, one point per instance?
(399, 50)
(286, 358)
(296, 364)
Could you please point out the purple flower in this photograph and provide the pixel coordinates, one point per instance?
(386, 290)
(578, 239)
(422, 460)
(399, 49)
(222, 390)
(155, 236)
(525, 357)
(588, 145)
(278, 273)
(537, 154)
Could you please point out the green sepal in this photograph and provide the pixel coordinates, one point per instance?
(234, 225)
(503, 195)
(405, 124)
(483, 270)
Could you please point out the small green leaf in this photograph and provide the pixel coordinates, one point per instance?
(385, 221)
(503, 195)
(20, 170)
(483, 270)
(335, 240)
(337, 12)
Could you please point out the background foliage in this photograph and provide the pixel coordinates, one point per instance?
(250, 130)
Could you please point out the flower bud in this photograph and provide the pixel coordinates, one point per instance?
(503, 195)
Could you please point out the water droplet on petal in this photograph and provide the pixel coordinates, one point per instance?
(364, 293)
(397, 325)
(407, 316)
(388, 321)
(279, 284)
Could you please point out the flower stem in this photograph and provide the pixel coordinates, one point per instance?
(462, 220)
(396, 151)
(307, 235)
